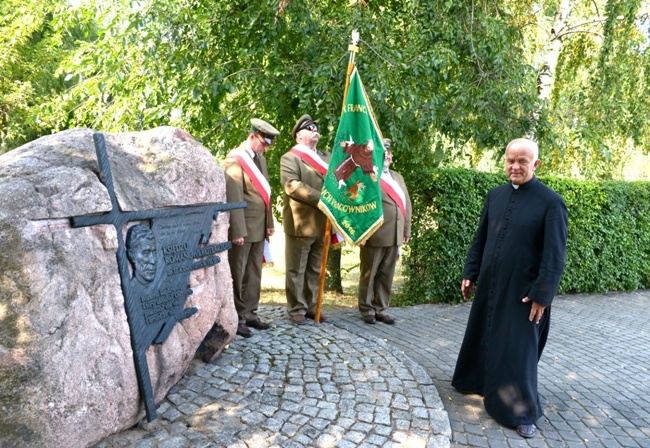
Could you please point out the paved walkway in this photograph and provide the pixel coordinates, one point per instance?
(594, 375)
(348, 384)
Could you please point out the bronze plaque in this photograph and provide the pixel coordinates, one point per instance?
(155, 260)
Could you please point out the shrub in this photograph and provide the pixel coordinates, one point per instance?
(608, 247)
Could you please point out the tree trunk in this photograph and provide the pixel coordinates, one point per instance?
(546, 73)
(333, 275)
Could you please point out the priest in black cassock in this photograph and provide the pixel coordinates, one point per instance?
(516, 261)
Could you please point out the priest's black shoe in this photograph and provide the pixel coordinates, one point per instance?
(526, 431)
(386, 319)
(244, 331)
(369, 319)
(258, 324)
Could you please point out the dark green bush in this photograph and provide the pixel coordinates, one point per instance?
(608, 246)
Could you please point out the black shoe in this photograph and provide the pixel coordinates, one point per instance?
(244, 331)
(322, 317)
(370, 320)
(386, 319)
(526, 431)
(258, 324)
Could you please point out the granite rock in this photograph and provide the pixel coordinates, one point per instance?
(67, 376)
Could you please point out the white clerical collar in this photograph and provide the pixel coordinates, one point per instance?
(516, 187)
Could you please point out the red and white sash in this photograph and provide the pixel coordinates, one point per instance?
(316, 162)
(259, 181)
(311, 157)
(392, 189)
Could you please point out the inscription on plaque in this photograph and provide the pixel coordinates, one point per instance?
(155, 258)
(157, 307)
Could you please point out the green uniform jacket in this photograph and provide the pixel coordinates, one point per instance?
(395, 226)
(302, 185)
(253, 221)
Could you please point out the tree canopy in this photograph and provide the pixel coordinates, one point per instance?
(449, 81)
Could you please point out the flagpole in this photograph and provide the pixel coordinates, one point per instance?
(353, 49)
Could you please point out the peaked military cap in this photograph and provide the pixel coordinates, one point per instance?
(263, 128)
(387, 143)
(302, 123)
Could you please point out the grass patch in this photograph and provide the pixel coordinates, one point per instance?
(273, 280)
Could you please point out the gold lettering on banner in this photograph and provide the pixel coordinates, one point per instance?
(345, 208)
(348, 226)
(357, 108)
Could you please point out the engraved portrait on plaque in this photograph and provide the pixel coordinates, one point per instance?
(141, 252)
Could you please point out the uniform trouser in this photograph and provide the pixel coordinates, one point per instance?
(303, 258)
(246, 269)
(376, 278)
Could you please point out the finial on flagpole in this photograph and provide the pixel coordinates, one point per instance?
(355, 40)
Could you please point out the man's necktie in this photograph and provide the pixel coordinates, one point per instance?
(256, 159)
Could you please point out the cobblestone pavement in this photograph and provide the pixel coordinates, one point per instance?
(594, 375)
(349, 384)
(289, 386)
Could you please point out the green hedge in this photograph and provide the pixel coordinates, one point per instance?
(608, 246)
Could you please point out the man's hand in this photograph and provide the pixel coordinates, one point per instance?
(536, 310)
(270, 231)
(467, 288)
(238, 241)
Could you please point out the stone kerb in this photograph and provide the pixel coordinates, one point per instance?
(67, 376)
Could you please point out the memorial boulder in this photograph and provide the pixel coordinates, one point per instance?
(110, 280)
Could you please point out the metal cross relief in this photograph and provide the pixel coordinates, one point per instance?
(154, 261)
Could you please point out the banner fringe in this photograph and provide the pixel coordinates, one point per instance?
(335, 225)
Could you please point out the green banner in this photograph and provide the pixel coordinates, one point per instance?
(351, 195)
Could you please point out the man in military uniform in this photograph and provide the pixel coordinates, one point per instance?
(302, 170)
(379, 253)
(247, 180)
